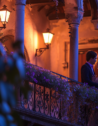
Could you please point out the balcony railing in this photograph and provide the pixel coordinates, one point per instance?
(46, 100)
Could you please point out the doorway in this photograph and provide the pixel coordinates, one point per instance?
(82, 61)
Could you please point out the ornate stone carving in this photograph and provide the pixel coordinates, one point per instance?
(74, 11)
(73, 4)
(20, 2)
(74, 17)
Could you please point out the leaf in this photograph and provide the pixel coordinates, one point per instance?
(5, 107)
(20, 67)
(3, 91)
(10, 118)
(2, 121)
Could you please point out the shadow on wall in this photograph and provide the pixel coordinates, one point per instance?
(40, 19)
(36, 23)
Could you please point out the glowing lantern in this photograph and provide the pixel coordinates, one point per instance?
(47, 37)
(4, 16)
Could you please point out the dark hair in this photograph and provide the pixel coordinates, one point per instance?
(90, 54)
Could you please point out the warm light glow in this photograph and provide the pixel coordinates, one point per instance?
(35, 37)
(47, 37)
(4, 15)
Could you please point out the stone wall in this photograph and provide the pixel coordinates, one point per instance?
(61, 30)
(36, 23)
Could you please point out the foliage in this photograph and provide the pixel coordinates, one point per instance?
(13, 71)
(74, 96)
(44, 77)
(86, 93)
(12, 74)
(84, 102)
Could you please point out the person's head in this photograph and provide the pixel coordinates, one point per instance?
(91, 57)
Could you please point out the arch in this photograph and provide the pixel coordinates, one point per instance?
(26, 55)
(7, 41)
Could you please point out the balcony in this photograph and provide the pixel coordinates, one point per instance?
(43, 107)
(69, 103)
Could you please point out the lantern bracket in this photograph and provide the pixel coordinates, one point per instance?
(4, 26)
(41, 50)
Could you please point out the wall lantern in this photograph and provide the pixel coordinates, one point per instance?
(4, 16)
(47, 40)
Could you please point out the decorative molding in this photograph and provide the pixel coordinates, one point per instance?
(74, 17)
(20, 2)
(74, 21)
(93, 41)
(82, 51)
(71, 5)
(74, 11)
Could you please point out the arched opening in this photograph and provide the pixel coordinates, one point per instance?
(7, 42)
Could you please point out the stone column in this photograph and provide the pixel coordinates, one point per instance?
(74, 26)
(74, 52)
(19, 29)
(19, 33)
(73, 14)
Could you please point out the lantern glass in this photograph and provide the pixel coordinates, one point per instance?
(47, 37)
(4, 16)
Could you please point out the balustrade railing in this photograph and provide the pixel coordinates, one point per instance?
(46, 100)
(61, 76)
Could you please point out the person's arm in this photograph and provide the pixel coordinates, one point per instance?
(86, 78)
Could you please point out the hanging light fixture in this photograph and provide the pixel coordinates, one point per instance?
(47, 40)
(4, 16)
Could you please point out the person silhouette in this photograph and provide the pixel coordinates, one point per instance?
(87, 72)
